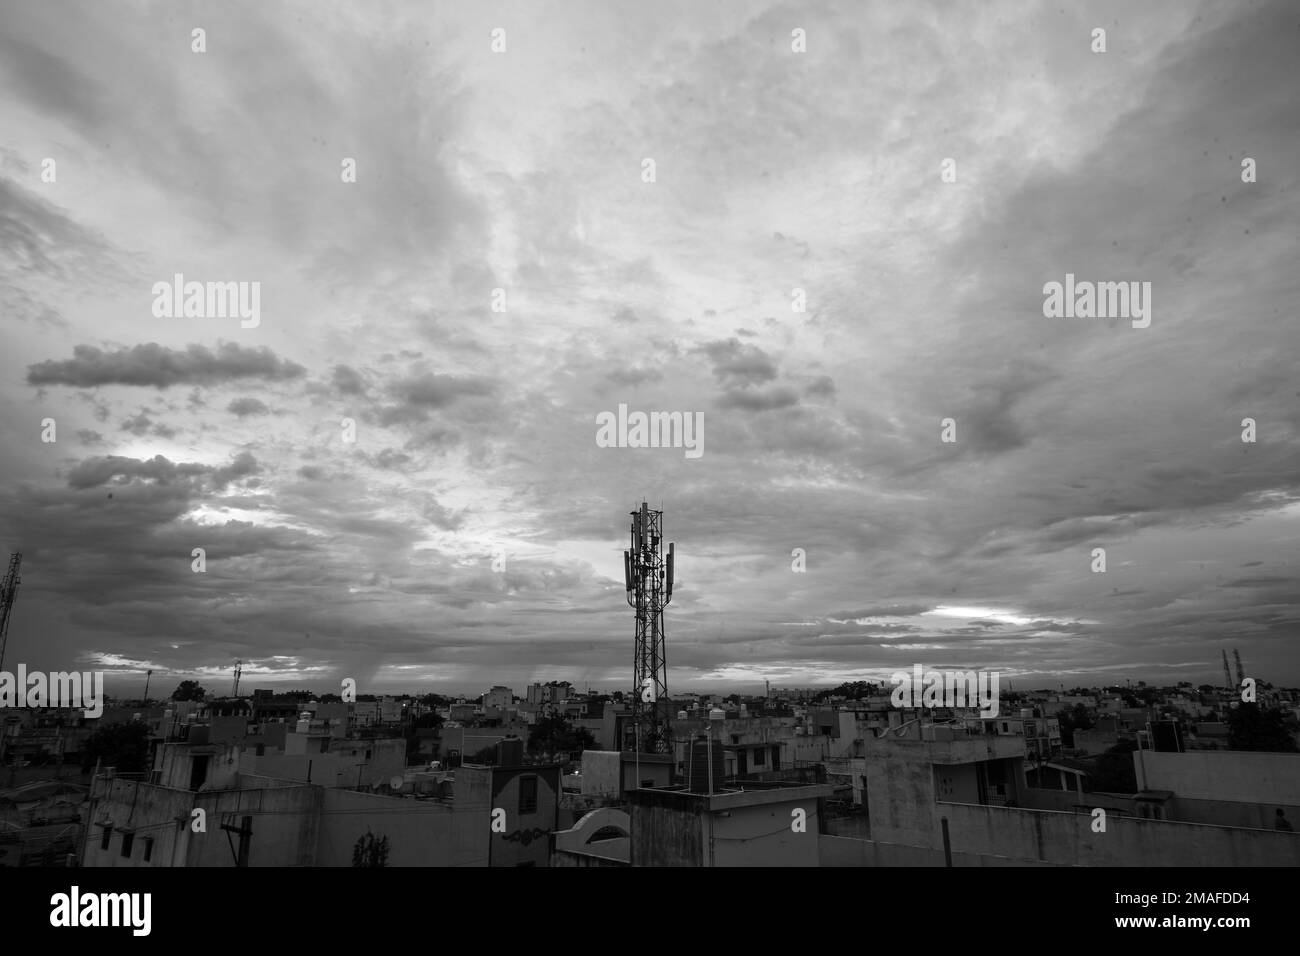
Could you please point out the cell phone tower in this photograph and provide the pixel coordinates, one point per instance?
(649, 579)
(8, 591)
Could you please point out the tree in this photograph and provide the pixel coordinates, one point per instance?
(189, 690)
(554, 734)
(852, 690)
(1114, 771)
(1072, 719)
(124, 746)
(1251, 727)
(430, 721)
(369, 851)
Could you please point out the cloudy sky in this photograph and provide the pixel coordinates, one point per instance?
(475, 430)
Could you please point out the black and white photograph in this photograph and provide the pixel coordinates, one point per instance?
(583, 434)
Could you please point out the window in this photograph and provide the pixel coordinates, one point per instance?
(108, 835)
(368, 753)
(760, 756)
(128, 841)
(528, 794)
(148, 849)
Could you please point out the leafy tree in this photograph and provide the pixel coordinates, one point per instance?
(1113, 772)
(124, 746)
(430, 721)
(189, 690)
(1251, 727)
(852, 690)
(1072, 719)
(369, 851)
(555, 734)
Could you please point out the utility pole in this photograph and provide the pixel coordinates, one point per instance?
(148, 675)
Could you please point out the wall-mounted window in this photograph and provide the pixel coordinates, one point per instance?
(106, 838)
(128, 841)
(528, 794)
(760, 757)
(148, 849)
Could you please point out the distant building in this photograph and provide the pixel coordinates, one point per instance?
(499, 697)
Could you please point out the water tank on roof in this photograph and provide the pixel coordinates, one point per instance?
(510, 752)
(697, 766)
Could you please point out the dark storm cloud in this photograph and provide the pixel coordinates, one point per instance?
(348, 381)
(738, 364)
(631, 377)
(821, 387)
(247, 406)
(138, 424)
(160, 367)
(438, 391)
(759, 400)
(94, 472)
(390, 460)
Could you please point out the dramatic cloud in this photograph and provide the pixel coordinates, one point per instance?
(160, 367)
(395, 475)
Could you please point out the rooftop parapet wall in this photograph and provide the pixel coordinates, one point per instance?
(1242, 776)
(1067, 838)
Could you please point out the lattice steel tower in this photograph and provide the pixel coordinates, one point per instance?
(649, 579)
(8, 591)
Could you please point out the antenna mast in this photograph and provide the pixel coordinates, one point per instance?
(649, 581)
(8, 591)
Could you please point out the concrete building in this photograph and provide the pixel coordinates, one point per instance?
(517, 805)
(932, 794)
(599, 838)
(610, 774)
(769, 826)
(499, 697)
(366, 713)
(1223, 787)
(202, 809)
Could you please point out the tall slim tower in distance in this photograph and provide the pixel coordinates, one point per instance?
(8, 591)
(649, 579)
